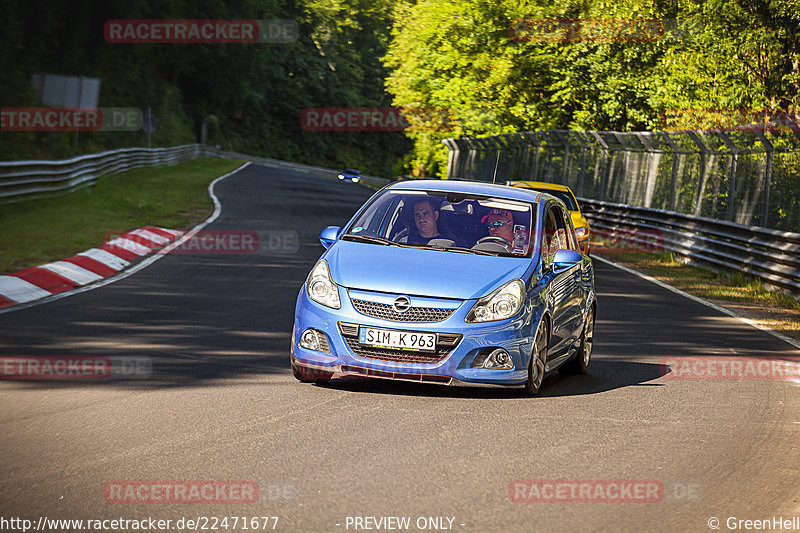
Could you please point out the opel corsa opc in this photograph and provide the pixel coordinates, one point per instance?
(450, 282)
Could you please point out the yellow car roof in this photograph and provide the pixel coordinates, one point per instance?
(540, 185)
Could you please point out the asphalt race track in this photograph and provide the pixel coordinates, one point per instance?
(221, 404)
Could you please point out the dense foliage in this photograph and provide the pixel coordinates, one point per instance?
(702, 55)
(252, 95)
(460, 67)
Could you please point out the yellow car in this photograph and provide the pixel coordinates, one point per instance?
(563, 193)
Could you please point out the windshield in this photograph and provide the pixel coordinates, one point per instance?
(448, 221)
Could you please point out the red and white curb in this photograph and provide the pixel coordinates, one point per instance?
(84, 268)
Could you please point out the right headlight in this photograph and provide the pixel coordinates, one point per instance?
(501, 304)
(321, 288)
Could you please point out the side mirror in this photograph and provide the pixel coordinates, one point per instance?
(566, 259)
(587, 208)
(328, 236)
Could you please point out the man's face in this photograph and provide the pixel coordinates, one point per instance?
(425, 218)
(502, 227)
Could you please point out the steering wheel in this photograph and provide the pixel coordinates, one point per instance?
(493, 239)
(400, 234)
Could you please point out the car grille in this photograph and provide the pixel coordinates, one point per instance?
(397, 356)
(445, 344)
(413, 314)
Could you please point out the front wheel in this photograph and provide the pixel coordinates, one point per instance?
(580, 363)
(538, 357)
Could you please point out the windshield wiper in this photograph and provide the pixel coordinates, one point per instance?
(467, 250)
(370, 239)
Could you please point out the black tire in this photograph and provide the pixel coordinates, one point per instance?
(537, 363)
(580, 363)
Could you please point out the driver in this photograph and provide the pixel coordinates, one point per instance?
(500, 223)
(426, 221)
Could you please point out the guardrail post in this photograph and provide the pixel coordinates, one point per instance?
(768, 146)
(452, 156)
(673, 190)
(604, 167)
(548, 171)
(533, 140)
(701, 182)
(732, 178)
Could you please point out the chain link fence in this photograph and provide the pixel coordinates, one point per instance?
(748, 176)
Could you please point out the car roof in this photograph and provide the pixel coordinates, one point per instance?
(470, 187)
(540, 185)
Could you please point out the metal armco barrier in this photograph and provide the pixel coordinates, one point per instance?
(745, 175)
(772, 255)
(23, 180)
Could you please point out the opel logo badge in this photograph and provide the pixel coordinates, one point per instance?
(401, 304)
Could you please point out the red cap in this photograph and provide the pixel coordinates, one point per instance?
(498, 214)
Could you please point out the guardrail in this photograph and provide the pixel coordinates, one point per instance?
(23, 180)
(771, 255)
(747, 175)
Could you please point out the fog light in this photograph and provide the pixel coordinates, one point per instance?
(496, 358)
(499, 358)
(311, 339)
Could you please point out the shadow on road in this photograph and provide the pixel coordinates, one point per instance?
(605, 375)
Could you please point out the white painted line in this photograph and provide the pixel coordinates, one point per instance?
(697, 299)
(141, 265)
(19, 290)
(72, 272)
(131, 246)
(150, 236)
(108, 259)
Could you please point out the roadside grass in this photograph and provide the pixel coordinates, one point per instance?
(34, 232)
(742, 293)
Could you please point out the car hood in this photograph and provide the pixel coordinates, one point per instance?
(420, 272)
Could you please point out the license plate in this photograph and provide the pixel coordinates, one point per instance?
(398, 340)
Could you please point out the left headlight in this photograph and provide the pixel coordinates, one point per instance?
(321, 288)
(501, 304)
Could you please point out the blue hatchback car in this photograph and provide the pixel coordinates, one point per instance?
(449, 282)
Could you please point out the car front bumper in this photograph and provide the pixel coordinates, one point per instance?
(458, 345)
